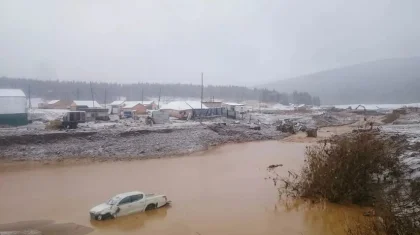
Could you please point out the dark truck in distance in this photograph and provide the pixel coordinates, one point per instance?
(72, 118)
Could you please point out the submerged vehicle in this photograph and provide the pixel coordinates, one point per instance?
(127, 203)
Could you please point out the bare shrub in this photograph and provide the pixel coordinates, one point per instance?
(362, 168)
(399, 208)
(53, 125)
(347, 169)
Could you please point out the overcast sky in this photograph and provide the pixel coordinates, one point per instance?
(239, 42)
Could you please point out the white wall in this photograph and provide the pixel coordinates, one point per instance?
(11, 105)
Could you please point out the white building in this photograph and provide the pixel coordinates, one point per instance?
(13, 109)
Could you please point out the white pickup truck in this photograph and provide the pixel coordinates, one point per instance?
(127, 203)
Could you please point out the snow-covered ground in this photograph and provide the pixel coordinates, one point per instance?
(412, 156)
(46, 114)
(376, 106)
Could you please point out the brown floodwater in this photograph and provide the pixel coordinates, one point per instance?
(221, 191)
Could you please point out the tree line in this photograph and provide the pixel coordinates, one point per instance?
(104, 92)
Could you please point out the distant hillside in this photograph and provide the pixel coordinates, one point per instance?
(384, 81)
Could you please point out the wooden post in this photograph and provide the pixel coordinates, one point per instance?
(201, 103)
(160, 91)
(91, 92)
(29, 96)
(105, 98)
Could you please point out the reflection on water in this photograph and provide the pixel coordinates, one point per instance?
(222, 191)
(132, 222)
(44, 227)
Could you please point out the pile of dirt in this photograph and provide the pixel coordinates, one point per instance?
(335, 119)
(326, 120)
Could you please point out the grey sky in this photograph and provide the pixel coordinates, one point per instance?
(240, 42)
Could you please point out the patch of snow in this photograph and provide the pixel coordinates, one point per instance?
(183, 105)
(117, 102)
(376, 106)
(52, 101)
(46, 114)
(233, 104)
(415, 175)
(282, 107)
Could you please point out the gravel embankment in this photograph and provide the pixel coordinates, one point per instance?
(128, 144)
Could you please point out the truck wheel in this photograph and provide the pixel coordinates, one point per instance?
(99, 217)
(150, 207)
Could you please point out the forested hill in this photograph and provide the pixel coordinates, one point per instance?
(383, 81)
(72, 90)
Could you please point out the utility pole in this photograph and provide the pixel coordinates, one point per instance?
(142, 95)
(29, 96)
(105, 98)
(91, 92)
(160, 92)
(201, 103)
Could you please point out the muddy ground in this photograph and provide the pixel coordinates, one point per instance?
(105, 145)
(131, 140)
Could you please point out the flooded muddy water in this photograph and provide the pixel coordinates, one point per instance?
(221, 191)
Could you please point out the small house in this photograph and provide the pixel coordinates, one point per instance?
(134, 106)
(213, 104)
(13, 109)
(94, 111)
(76, 104)
(184, 109)
(57, 104)
(116, 106)
(234, 110)
(234, 107)
(150, 105)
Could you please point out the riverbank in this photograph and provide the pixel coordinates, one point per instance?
(131, 144)
(126, 140)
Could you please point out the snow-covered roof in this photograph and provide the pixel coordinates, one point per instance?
(53, 101)
(12, 93)
(130, 104)
(88, 103)
(377, 106)
(117, 102)
(147, 102)
(234, 104)
(213, 101)
(183, 105)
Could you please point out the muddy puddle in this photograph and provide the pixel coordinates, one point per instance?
(221, 191)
